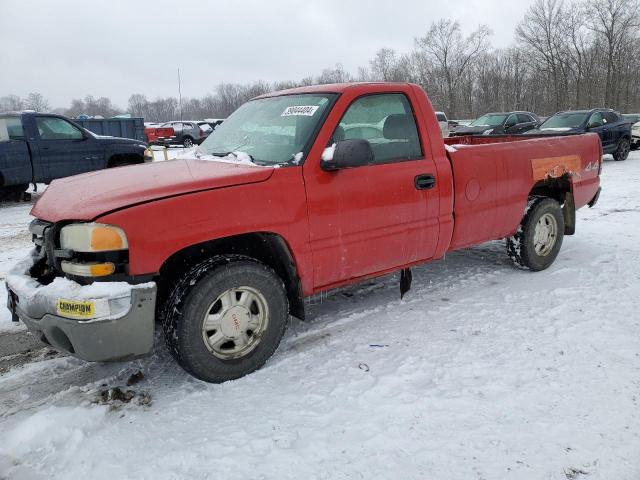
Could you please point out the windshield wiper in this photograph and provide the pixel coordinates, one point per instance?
(237, 155)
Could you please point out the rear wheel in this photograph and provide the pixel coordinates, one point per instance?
(225, 318)
(537, 242)
(622, 152)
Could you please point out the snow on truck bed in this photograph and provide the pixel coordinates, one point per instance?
(482, 371)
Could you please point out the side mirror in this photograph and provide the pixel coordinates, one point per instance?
(595, 125)
(350, 153)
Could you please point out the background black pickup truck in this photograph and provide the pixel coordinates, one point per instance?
(36, 147)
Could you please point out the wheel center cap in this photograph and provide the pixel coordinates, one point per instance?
(234, 322)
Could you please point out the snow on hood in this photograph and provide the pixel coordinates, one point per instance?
(87, 196)
(556, 129)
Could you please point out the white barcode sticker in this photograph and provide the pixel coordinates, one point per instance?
(300, 110)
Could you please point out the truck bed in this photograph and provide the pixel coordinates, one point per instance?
(492, 179)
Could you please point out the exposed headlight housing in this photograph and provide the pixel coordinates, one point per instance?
(92, 237)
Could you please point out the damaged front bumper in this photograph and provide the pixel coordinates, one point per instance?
(101, 322)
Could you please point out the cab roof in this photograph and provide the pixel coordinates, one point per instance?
(331, 88)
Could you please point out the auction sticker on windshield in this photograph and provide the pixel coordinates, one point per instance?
(300, 110)
(75, 309)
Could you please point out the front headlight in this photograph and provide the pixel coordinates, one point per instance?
(92, 237)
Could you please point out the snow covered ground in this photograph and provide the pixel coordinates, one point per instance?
(481, 372)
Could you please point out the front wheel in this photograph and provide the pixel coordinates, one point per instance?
(622, 152)
(225, 318)
(187, 142)
(537, 242)
(14, 193)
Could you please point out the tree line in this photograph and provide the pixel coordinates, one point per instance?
(566, 55)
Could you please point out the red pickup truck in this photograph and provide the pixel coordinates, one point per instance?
(298, 192)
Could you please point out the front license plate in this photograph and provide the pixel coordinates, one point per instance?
(76, 309)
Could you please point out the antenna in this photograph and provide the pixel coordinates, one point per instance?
(179, 94)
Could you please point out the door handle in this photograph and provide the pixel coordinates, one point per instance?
(425, 182)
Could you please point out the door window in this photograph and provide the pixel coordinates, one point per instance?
(52, 128)
(14, 128)
(511, 121)
(596, 119)
(522, 118)
(610, 117)
(387, 123)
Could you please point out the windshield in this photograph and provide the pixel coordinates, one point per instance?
(489, 120)
(565, 120)
(270, 130)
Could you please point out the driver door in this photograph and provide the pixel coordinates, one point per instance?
(373, 218)
(64, 150)
(597, 125)
(511, 124)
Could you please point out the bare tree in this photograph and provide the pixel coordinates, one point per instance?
(616, 23)
(35, 101)
(453, 53)
(541, 34)
(11, 103)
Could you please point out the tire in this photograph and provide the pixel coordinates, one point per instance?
(14, 193)
(543, 217)
(208, 322)
(187, 142)
(622, 152)
(124, 162)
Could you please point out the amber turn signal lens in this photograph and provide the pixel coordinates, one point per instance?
(88, 269)
(105, 239)
(102, 269)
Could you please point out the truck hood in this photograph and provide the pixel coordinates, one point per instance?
(90, 195)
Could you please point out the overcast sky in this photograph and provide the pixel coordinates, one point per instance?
(67, 49)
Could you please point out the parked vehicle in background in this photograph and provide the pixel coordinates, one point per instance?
(206, 128)
(635, 136)
(38, 148)
(157, 135)
(121, 127)
(444, 123)
(186, 133)
(277, 206)
(614, 131)
(634, 118)
(214, 122)
(501, 123)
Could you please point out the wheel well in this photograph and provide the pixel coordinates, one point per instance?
(1, 180)
(268, 248)
(560, 189)
(121, 159)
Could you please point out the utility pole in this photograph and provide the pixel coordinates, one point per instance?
(179, 94)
